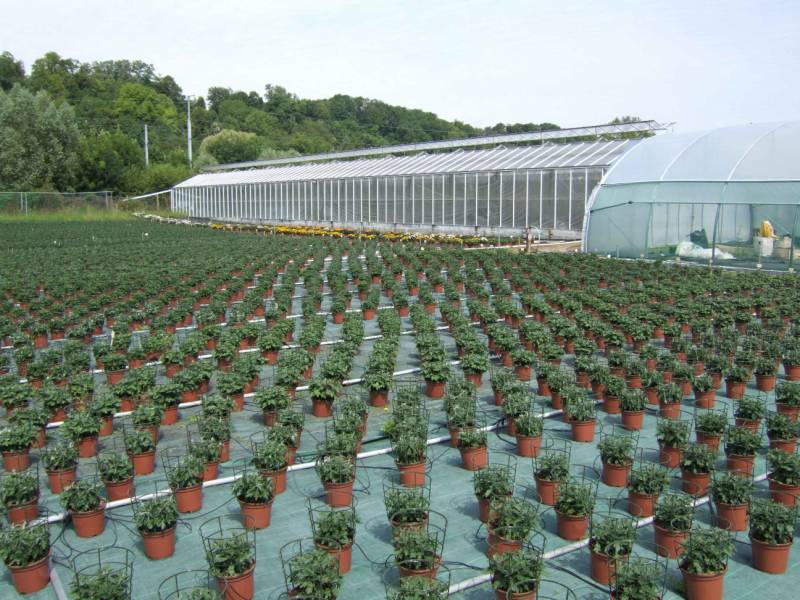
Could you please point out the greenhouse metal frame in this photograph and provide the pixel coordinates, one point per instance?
(728, 196)
(503, 190)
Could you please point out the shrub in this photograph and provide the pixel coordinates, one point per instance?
(406, 505)
(730, 488)
(637, 579)
(60, 456)
(254, 489)
(649, 479)
(24, 544)
(229, 556)
(707, 551)
(114, 467)
(315, 574)
(672, 434)
(516, 572)
(18, 488)
(159, 513)
(575, 499)
(784, 467)
(82, 496)
(697, 458)
(740, 441)
(613, 537)
(513, 518)
(617, 449)
(771, 522)
(553, 467)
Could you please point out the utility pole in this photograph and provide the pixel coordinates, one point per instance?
(146, 148)
(189, 128)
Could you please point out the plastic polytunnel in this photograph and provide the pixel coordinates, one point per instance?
(729, 196)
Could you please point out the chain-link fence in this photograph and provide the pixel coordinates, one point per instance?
(27, 202)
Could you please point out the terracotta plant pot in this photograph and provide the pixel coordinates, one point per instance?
(528, 446)
(712, 441)
(16, 461)
(751, 424)
(695, 484)
(278, 479)
(434, 389)
(238, 587)
(500, 545)
(765, 383)
(669, 456)
(321, 408)
(256, 515)
(189, 499)
(89, 524)
(144, 463)
(641, 505)
(603, 568)
(474, 459)
(611, 405)
(343, 556)
(582, 431)
(788, 410)
(671, 410)
(703, 587)
(523, 373)
(669, 543)
(412, 475)
(734, 389)
(379, 398)
(475, 378)
(427, 573)
(210, 471)
(547, 490)
(770, 558)
(571, 528)
(33, 577)
(632, 419)
(783, 493)
(339, 494)
(119, 490)
(732, 517)
(741, 465)
(792, 372)
(158, 544)
(24, 512)
(59, 480)
(87, 447)
(616, 475)
(107, 427)
(788, 446)
(170, 415)
(705, 399)
(505, 595)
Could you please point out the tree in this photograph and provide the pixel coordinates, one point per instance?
(137, 102)
(11, 71)
(40, 142)
(230, 145)
(104, 158)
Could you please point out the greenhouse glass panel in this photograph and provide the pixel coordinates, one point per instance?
(547, 199)
(563, 204)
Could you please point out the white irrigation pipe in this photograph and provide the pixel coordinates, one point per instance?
(58, 517)
(552, 554)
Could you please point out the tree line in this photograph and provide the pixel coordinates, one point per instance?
(71, 125)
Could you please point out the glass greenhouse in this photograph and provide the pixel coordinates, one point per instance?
(499, 191)
(726, 196)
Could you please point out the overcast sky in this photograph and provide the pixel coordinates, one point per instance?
(699, 63)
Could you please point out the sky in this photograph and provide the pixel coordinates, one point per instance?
(697, 64)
